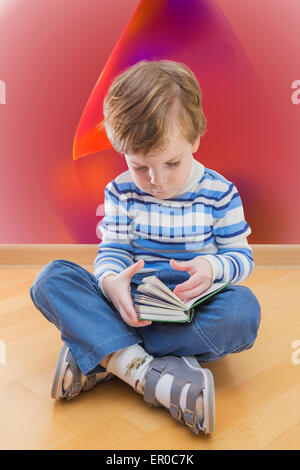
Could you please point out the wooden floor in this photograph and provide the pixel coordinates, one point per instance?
(257, 391)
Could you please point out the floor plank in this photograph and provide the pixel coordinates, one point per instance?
(257, 391)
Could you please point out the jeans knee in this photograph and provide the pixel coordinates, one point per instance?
(235, 326)
(245, 317)
(253, 311)
(44, 274)
(50, 269)
(43, 289)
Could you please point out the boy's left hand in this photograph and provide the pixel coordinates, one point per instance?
(200, 280)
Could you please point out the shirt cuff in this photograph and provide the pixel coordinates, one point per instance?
(216, 265)
(100, 280)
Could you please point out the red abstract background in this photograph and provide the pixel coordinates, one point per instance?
(57, 60)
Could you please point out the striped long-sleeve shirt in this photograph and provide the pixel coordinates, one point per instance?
(206, 219)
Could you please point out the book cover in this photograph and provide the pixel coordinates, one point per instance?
(159, 303)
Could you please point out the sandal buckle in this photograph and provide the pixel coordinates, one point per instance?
(190, 418)
(175, 411)
(89, 383)
(74, 390)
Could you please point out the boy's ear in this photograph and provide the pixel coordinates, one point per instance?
(196, 145)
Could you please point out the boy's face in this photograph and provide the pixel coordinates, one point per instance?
(164, 174)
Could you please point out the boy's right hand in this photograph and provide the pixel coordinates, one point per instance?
(117, 288)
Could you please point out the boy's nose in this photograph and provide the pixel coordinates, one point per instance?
(157, 178)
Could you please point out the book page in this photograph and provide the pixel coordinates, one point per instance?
(158, 311)
(146, 300)
(212, 288)
(164, 319)
(157, 293)
(155, 282)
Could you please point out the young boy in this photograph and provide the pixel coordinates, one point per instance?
(170, 216)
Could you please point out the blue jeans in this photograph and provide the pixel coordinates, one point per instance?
(69, 297)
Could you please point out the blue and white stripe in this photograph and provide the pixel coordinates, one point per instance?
(207, 221)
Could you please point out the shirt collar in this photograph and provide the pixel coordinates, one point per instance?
(197, 171)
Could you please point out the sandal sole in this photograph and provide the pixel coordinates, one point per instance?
(56, 390)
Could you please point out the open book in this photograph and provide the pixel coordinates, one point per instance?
(159, 303)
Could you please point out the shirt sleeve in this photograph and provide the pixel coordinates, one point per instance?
(115, 252)
(234, 260)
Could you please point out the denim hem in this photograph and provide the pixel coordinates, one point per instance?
(91, 360)
(241, 348)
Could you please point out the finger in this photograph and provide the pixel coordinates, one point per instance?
(131, 314)
(132, 320)
(191, 293)
(138, 323)
(181, 266)
(131, 270)
(191, 283)
(141, 323)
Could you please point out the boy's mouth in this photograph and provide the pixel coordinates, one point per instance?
(159, 192)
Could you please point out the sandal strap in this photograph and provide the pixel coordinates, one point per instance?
(152, 376)
(183, 374)
(90, 382)
(190, 416)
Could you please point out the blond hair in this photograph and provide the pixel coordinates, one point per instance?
(145, 100)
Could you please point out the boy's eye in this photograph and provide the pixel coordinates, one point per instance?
(139, 168)
(144, 167)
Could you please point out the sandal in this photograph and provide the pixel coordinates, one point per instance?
(185, 370)
(78, 384)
